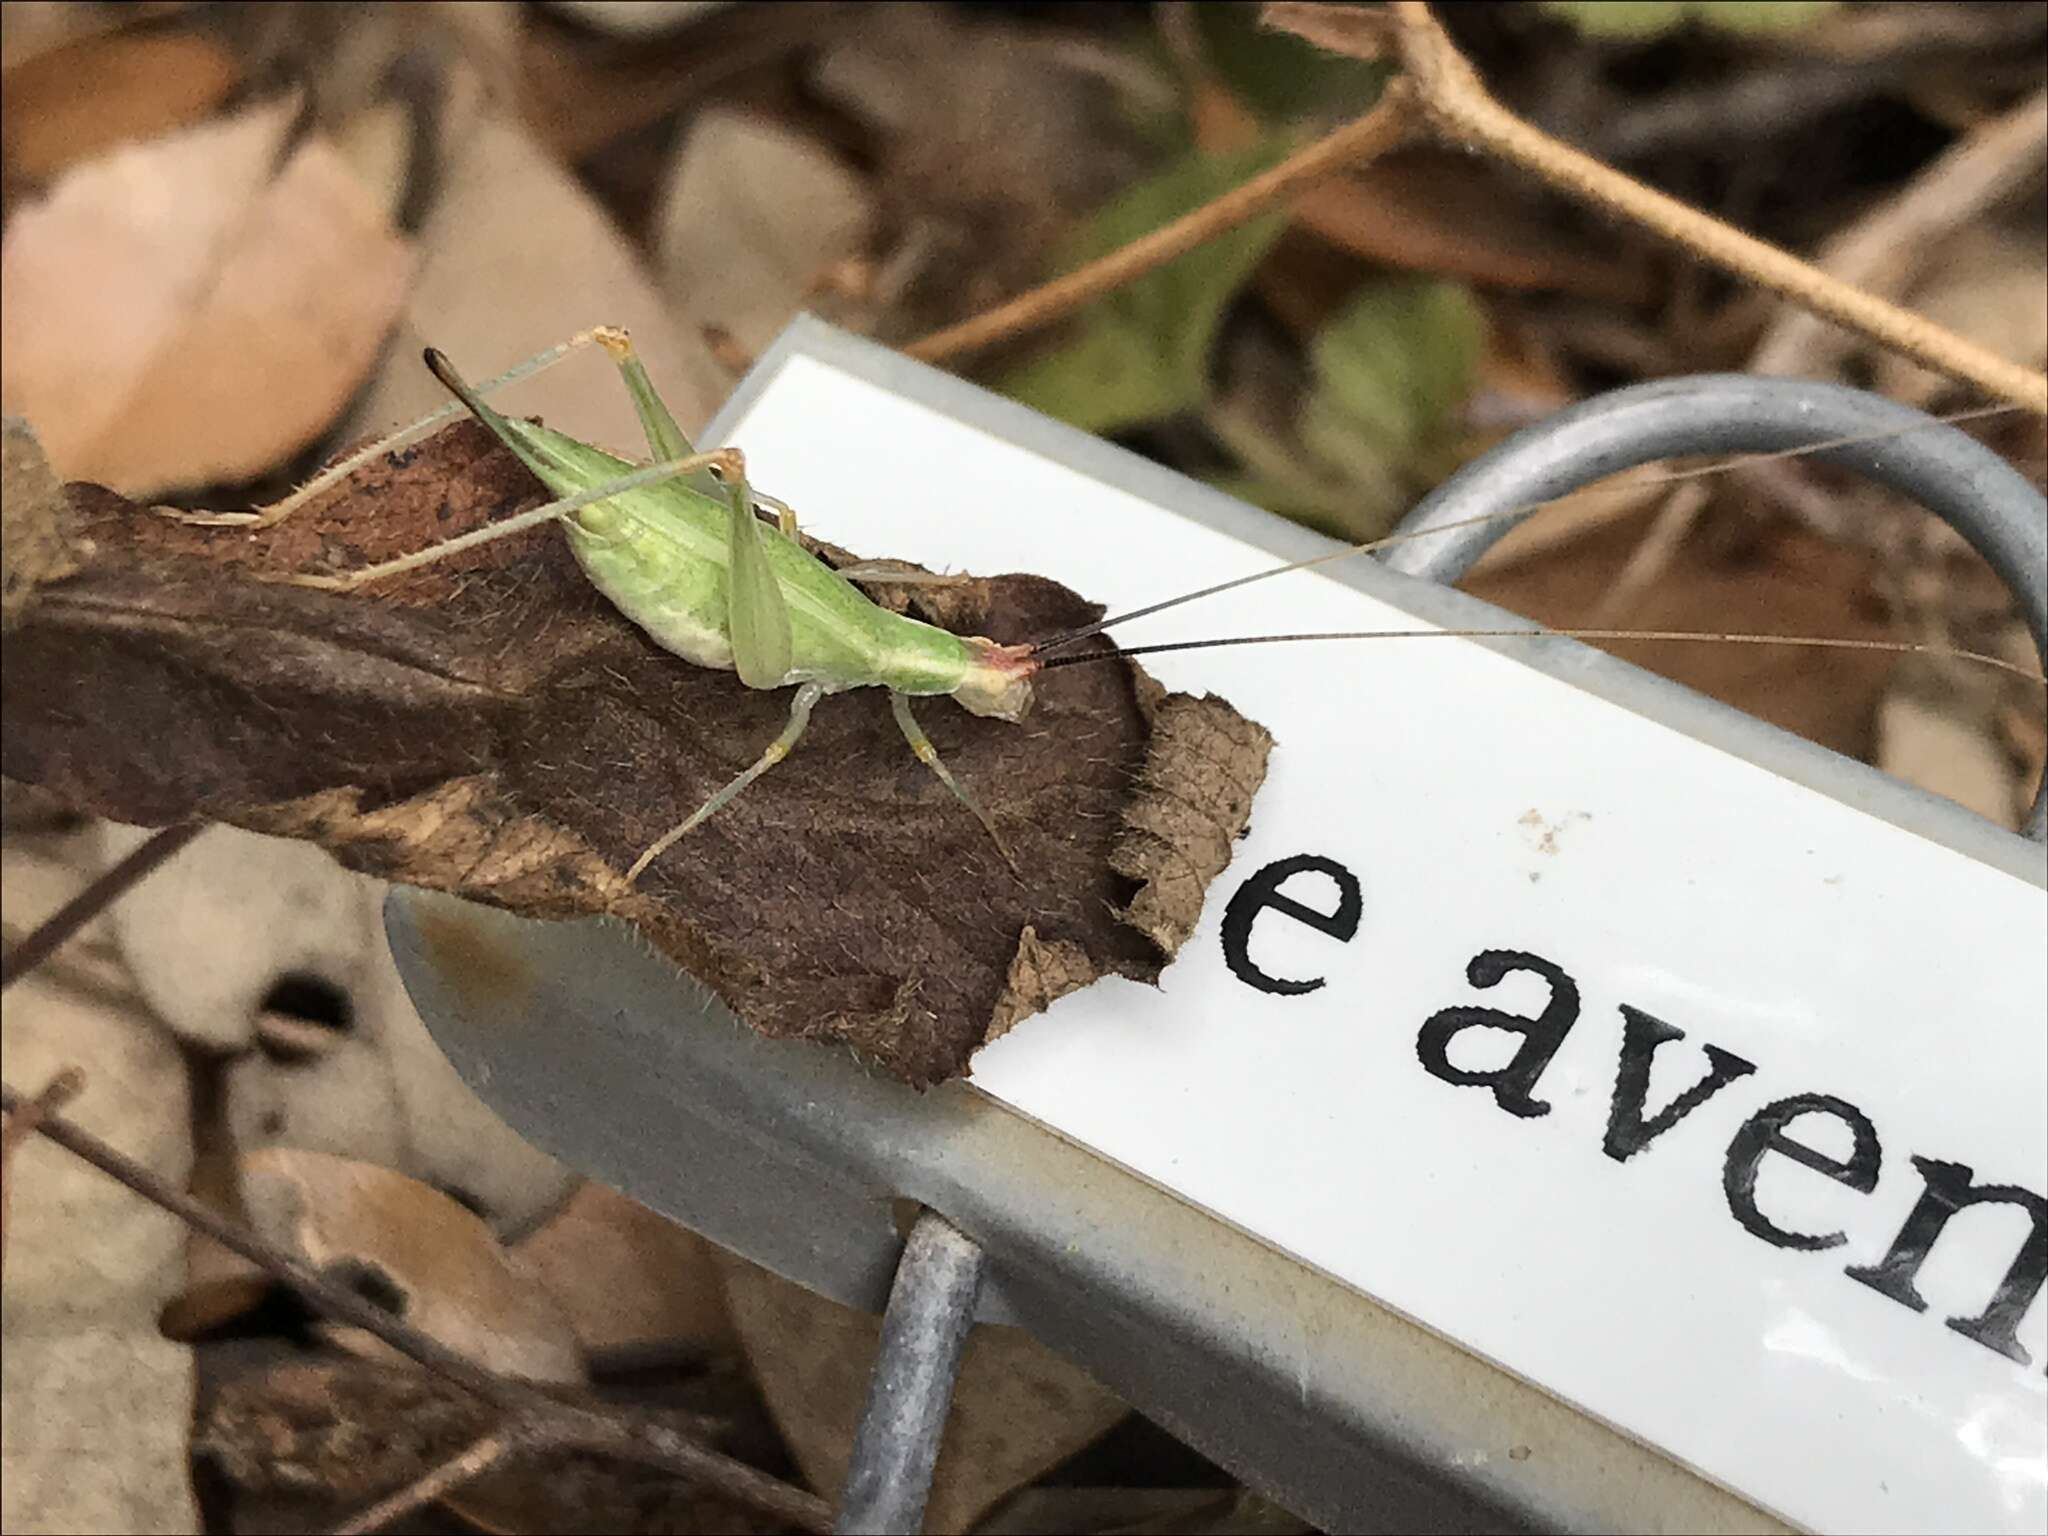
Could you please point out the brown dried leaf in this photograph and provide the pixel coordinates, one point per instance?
(1179, 827)
(1356, 31)
(35, 522)
(348, 1430)
(307, 1442)
(84, 98)
(1788, 582)
(1432, 210)
(492, 727)
(1040, 973)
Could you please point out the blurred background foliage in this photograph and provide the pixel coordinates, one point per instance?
(229, 229)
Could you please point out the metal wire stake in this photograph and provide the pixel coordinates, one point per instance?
(931, 1307)
(1948, 472)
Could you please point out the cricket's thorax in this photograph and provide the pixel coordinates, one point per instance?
(660, 554)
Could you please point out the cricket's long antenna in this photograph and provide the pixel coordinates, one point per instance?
(1068, 637)
(1811, 642)
(342, 468)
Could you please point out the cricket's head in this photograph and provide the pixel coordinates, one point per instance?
(998, 680)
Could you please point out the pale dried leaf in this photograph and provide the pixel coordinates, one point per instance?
(1988, 285)
(1949, 754)
(1887, 249)
(339, 1097)
(1351, 30)
(209, 934)
(514, 257)
(186, 311)
(94, 1402)
(637, 18)
(751, 217)
(628, 1277)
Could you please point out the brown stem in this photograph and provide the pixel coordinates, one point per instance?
(45, 940)
(1364, 138)
(23, 1122)
(466, 1465)
(1890, 246)
(278, 1262)
(654, 1444)
(1457, 105)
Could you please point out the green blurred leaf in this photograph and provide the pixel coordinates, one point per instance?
(1653, 18)
(1142, 352)
(1391, 371)
(1278, 75)
(1108, 376)
(1400, 357)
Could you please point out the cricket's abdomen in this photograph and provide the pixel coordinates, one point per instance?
(669, 576)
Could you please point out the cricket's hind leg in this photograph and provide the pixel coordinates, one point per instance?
(341, 469)
(665, 440)
(726, 460)
(928, 754)
(799, 716)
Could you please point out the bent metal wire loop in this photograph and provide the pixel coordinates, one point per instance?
(1945, 470)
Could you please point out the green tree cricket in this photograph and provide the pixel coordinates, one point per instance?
(680, 547)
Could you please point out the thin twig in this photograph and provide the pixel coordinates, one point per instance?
(1457, 106)
(22, 1123)
(81, 909)
(1363, 139)
(466, 1465)
(1444, 92)
(274, 1260)
(1888, 247)
(568, 1425)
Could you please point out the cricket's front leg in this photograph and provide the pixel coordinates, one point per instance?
(799, 716)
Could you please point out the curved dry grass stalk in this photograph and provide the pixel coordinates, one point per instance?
(1440, 94)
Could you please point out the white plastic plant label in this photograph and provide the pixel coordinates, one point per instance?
(1707, 1103)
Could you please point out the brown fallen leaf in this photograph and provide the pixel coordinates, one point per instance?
(627, 1278)
(305, 1442)
(416, 1252)
(1788, 581)
(82, 99)
(36, 539)
(1424, 209)
(491, 726)
(197, 308)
